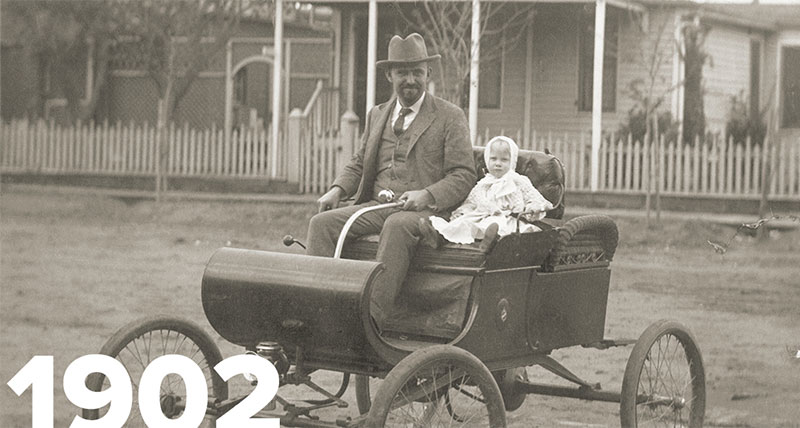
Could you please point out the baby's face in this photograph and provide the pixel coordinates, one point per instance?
(499, 159)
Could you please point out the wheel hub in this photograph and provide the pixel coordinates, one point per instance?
(169, 405)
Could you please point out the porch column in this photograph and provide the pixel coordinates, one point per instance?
(372, 47)
(228, 90)
(474, 69)
(527, 114)
(277, 79)
(351, 62)
(597, 89)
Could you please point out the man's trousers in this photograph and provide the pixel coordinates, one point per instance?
(399, 234)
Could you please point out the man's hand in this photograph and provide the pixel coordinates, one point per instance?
(331, 199)
(416, 200)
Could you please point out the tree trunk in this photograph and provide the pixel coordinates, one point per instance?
(160, 138)
(657, 167)
(763, 205)
(164, 116)
(648, 133)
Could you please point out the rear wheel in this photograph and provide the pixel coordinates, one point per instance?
(140, 342)
(664, 383)
(438, 386)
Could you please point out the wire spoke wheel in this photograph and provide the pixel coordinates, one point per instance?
(439, 386)
(664, 383)
(139, 343)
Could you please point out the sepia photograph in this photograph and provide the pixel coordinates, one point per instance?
(399, 213)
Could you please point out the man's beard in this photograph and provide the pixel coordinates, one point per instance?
(410, 93)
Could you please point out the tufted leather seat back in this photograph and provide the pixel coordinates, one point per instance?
(544, 170)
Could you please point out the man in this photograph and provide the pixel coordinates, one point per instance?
(417, 146)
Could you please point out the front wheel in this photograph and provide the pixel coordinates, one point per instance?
(664, 383)
(140, 342)
(438, 386)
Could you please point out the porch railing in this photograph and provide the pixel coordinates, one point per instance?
(323, 140)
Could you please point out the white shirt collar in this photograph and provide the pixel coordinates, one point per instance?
(410, 116)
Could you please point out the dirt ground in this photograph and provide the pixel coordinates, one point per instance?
(75, 267)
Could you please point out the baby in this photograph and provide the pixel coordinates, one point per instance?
(491, 202)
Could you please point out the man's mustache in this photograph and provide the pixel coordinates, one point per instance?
(409, 86)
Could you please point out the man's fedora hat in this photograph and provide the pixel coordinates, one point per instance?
(406, 51)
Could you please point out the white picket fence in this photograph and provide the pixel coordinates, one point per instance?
(132, 149)
(716, 167)
(317, 147)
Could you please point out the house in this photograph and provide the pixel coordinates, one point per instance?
(542, 84)
(235, 90)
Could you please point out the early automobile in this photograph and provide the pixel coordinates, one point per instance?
(472, 319)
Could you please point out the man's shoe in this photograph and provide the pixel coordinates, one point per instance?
(489, 237)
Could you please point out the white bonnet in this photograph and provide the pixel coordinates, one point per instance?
(513, 148)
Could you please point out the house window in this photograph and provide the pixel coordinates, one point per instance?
(490, 75)
(240, 87)
(755, 77)
(491, 81)
(586, 62)
(790, 91)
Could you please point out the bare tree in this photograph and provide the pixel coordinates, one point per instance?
(60, 35)
(174, 41)
(650, 92)
(447, 26)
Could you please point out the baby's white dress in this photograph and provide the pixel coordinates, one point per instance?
(492, 200)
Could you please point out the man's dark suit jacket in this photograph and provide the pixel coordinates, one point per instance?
(439, 153)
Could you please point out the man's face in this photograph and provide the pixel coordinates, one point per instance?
(409, 81)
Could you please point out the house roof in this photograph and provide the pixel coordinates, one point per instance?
(774, 16)
(763, 16)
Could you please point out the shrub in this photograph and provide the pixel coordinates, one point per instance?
(741, 123)
(636, 126)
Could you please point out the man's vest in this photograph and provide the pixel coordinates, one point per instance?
(392, 172)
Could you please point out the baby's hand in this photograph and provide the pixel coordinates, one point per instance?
(532, 216)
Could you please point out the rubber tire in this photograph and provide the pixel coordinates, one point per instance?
(399, 376)
(138, 328)
(636, 362)
(363, 398)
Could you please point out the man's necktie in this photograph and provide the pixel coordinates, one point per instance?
(401, 118)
